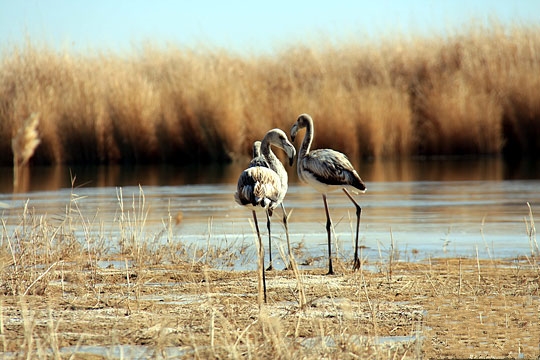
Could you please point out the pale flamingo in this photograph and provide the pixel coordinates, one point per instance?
(260, 186)
(259, 160)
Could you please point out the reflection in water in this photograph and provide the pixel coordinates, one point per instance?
(48, 178)
(425, 218)
(57, 177)
(450, 170)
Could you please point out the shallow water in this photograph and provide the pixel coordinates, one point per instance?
(169, 352)
(422, 209)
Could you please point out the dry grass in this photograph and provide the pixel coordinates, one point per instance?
(23, 144)
(473, 92)
(57, 300)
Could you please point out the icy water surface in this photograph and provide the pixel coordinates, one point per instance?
(469, 210)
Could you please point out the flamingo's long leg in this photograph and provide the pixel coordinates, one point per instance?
(285, 223)
(329, 232)
(270, 266)
(261, 255)
(356, 264)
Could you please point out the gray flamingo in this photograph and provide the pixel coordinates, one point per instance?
(327, 170)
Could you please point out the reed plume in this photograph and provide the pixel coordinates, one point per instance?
(24, 143)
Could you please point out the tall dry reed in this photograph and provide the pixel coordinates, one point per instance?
(473, 92)
(23, 144)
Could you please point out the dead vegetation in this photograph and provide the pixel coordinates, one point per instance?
(441, 308)
(473, 92)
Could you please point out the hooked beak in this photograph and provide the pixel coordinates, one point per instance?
(291, 153)
(294, 131)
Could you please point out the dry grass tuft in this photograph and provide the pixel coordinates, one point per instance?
(23, 144)
(25, 141)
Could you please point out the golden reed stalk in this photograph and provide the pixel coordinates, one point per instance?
(24, 143)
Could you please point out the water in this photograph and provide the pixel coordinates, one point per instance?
(144, 352)
(421, 208)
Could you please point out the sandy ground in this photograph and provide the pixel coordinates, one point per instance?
(442, 308)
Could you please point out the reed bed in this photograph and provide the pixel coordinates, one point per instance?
(472, 92)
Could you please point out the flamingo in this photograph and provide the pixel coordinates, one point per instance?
(327, 170)
(259, 160)
(264, 187)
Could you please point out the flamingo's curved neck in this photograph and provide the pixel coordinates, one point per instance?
(308, 139)
(269, 155)
(275, 164)
(304, 150)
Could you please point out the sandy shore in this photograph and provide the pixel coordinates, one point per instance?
(439, 308)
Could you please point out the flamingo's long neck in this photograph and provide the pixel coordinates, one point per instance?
(274, 164)
(304, 150)
(308, 139)
(269, 155)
